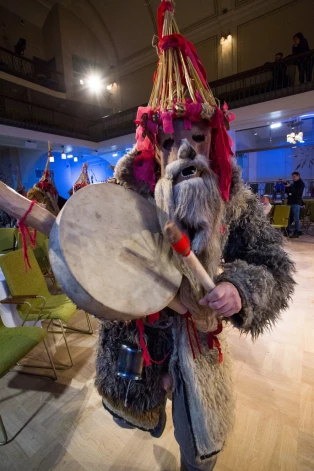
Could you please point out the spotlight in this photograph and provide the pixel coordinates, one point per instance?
(229, 37)
(94, 83)
(70, 156)
(51, 158)
(222, 39)
(63, 155)
(109, 87)
(82, 82)
(115, 154)
(75, 159)
(275, 125)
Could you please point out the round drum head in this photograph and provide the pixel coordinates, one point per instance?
(109, 256)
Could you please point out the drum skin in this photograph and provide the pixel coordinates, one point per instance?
(109, 256)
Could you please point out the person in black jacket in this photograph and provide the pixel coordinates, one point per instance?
(305, 64)
(295, 192)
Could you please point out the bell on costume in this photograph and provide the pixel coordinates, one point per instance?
(130, 362)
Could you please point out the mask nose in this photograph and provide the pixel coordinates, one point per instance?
(186, 151)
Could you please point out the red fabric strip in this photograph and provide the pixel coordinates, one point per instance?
(163, 7)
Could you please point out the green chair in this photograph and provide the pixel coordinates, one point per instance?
(15, 343)
(7, 239)
(280, 219)
(50, 275)
(31, 286)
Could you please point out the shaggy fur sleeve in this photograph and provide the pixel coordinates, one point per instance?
(259, 268)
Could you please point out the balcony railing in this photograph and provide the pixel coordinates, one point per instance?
(36, 70)
(26, 115)
(287, 77)
(273, 80)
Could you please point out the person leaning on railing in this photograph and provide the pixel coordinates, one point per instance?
(305, 64)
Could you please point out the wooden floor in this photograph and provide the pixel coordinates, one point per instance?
(62, 426)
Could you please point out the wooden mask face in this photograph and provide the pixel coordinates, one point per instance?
(199, 137)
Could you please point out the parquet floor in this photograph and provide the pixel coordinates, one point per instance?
(62, 426)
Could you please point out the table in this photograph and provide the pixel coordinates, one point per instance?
(8, 312)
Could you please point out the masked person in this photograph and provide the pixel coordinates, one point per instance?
(182, 163)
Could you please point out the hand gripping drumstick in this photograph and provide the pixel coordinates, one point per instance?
(181, 245)
(16, 206)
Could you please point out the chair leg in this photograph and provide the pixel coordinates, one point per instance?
(82, 331)
(66, 343)
(3, 441)
(52, 367)
(90, 330)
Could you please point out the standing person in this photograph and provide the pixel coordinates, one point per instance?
(305, 64)
(182, 159)
(295, 192)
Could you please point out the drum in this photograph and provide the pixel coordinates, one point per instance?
(106, 250)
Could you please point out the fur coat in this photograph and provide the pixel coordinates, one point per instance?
(254, 261)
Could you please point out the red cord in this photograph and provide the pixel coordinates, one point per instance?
(24, 230)
(214, 342)
(188, 317)
(147, 360)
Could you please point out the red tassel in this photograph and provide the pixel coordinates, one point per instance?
(24, 230)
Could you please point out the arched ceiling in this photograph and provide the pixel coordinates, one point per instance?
(124, 27)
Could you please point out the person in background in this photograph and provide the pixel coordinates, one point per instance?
(279, 191)
(280, 78)
(295, 192)
(305, 64)
(267, 207)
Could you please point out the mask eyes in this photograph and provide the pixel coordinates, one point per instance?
(167, 144)
(198, 137)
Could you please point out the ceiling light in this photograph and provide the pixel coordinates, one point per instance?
(51, 158)
(109, 87)
(82, 82)
(229, 37)
(69, 156)
(63, 155)
(94, 83)
(275, 125)
(115, 154)
(222, 39)
(75, 159)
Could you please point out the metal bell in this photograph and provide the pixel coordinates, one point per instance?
(130, 362)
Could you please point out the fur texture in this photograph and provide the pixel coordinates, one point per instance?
(142, 403)
(258, 266)
(40, 196)
(254, 262)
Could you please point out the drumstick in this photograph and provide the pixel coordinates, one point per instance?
(181, 245)
(16, 206)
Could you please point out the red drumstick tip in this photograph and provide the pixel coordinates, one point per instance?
(178, 240)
